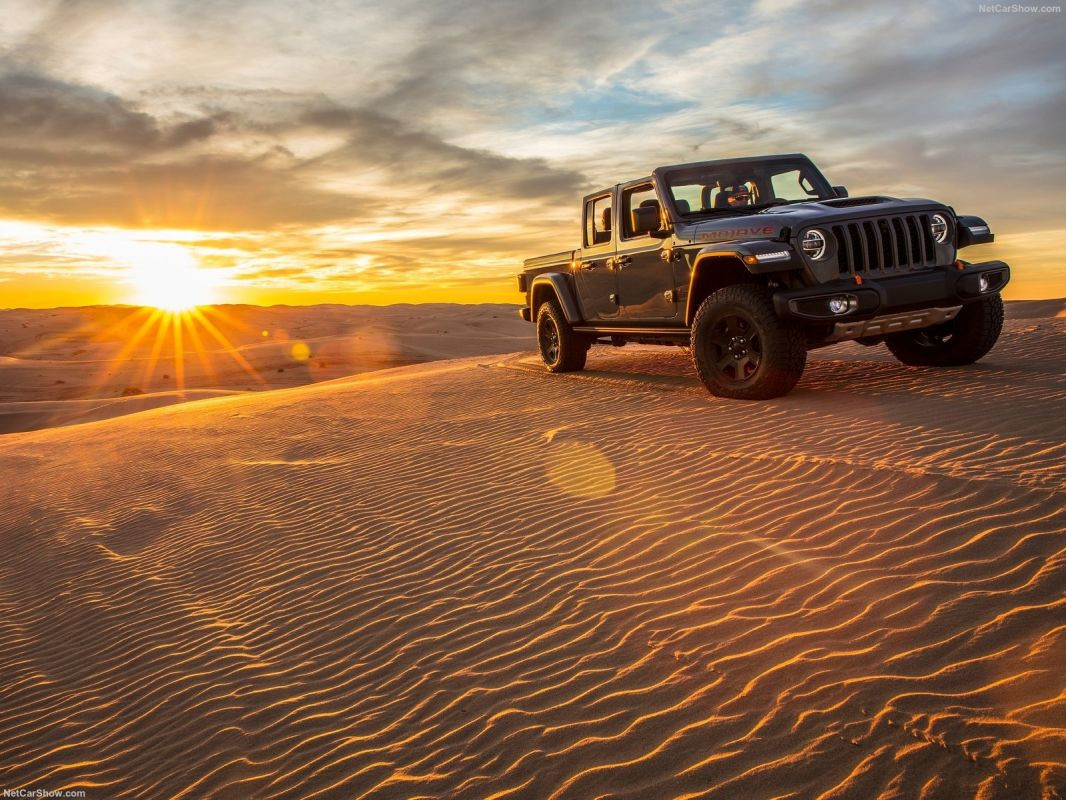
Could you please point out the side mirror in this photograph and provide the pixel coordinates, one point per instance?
(645, 219)
(841, 191)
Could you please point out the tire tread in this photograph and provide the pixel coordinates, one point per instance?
(977, 328)
(784, 345)
(573, 347)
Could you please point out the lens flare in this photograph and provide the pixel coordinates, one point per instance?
(580, 469)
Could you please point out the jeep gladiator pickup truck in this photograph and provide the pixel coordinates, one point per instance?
(752, 262)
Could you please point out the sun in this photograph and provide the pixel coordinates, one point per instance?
(162, 275)
(167, 276)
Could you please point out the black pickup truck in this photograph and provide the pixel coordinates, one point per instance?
(752, 262)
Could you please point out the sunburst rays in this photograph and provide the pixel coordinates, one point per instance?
(175, 336)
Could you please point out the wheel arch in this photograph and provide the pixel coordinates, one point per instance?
(553, 285)
(711, 272)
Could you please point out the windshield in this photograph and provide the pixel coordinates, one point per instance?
(740, 186)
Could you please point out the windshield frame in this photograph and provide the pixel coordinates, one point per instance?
(666, 178)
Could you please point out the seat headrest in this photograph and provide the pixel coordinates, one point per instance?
(682, 206)
(722, 200)
(605, 219)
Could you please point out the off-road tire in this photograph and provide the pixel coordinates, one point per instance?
(955, 343)
(740, 319)
(562, 349)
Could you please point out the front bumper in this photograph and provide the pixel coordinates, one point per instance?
(891, 323)
(940, 287)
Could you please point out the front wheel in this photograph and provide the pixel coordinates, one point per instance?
(561, 348)
(960, 341)
(742, 349)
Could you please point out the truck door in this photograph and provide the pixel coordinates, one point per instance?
(646, 289)
(594, 274)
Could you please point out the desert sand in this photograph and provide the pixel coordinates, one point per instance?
(127, 359)
(473, 579)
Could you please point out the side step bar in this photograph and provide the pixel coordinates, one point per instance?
(678, 331)
(842, 331)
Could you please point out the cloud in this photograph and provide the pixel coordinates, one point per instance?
(35, 108)
(435, 167)
(203, 193)
(86, 156)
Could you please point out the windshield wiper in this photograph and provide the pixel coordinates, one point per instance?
(761, 206)
(714, 212)
(737, 209)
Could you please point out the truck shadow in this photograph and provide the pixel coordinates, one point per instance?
(1016, 392)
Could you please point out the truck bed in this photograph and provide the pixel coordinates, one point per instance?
(550, 260)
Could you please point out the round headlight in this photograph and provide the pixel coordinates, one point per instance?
(938, 226)
(813, 244)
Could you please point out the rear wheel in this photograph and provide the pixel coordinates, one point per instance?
(955, 343)
(562, 349)
(742, 349)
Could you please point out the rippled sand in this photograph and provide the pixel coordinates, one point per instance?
(472, 579)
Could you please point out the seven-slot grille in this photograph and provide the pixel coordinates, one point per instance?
(884, 244)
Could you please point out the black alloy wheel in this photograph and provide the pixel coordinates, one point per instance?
(737, 347)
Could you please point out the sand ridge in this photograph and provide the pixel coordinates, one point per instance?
(474, 579)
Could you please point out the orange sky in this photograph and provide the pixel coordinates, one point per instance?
(259, 146)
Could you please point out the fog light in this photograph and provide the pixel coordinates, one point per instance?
(841, 304)
(982, 283)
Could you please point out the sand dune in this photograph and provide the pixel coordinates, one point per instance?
(471, 579)
(1035, 309)
(60, 356)
(31, 416)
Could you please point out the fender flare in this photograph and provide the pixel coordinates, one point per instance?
(972, 230)
(556, 283)
(760, 257)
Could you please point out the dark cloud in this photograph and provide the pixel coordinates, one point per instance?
(420, 159)
(38, 109)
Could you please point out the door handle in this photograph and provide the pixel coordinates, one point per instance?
(623, 261)
(586, 265)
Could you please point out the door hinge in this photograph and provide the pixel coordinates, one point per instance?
(672, 295)
(614, 298)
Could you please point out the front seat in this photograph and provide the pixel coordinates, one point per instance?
(603, 233)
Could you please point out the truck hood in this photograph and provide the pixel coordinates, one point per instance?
(770, 223)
